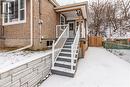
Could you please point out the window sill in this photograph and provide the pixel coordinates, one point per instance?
(14, 23)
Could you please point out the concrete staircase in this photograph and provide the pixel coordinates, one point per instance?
(62, 65)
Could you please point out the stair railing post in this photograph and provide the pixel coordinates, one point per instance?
(68, 30)
(53, 53)
(72, 56)
(56, 31)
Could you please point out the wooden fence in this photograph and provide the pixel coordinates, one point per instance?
(95, 41)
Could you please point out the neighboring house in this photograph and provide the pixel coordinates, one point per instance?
(36, 24)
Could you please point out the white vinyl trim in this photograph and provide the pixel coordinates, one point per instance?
(71, 32)
(18, 21)
(63, 18)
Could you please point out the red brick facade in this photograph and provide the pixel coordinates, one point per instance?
(18, 35)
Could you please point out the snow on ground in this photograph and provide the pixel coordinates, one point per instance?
(122, 53)
(7, 59)
(99, 68)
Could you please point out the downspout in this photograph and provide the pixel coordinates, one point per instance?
(31, 29)
(40, 21)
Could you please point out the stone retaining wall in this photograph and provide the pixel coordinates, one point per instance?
(29, 74)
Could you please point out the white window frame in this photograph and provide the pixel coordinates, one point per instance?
(14, 22)
(63, 18)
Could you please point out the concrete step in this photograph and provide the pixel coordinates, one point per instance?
(68, 43)
(62, 65)
(65, 64)
(70, 39)
(65, 55)
(66, 50)
(63, 71)
(64, 58)
(67, 46)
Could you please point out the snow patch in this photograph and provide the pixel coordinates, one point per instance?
(8, 59)
(122, 53)
(99, 68)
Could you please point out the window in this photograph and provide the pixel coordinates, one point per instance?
(49, 43)
(14, 12)
(62, 20)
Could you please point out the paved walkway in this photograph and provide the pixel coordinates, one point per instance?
(99, 68)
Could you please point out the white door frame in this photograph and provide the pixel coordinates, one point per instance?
(61, 15)
(71, 32)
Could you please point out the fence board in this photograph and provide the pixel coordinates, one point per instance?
(95, 41)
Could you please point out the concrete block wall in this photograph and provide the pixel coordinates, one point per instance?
(29, 74)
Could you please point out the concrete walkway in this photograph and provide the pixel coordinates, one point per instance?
(99, 68)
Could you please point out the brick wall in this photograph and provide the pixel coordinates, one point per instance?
(28, 74)
(18, 35)
(49, 18)
(2, 43)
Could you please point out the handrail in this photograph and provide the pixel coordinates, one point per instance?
(59, 44)
(74, 47)
(60, 29)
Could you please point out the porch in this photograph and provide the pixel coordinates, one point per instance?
(103, 69)
(74, 16)
(69, 33)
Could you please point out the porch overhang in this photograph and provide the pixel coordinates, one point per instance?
(74, 7)
(54, 2)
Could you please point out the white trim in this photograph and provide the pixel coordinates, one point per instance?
(8, 11)
(70, 22)
(18, 10)
(83, 9)
(15, 22)
(83, 33)
(61, 15)
(3, 19)
(73, 23)
(71, 32)
(31, 29)
(25, 10)
(54, 2)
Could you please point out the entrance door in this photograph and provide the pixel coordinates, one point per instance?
(71, 27)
